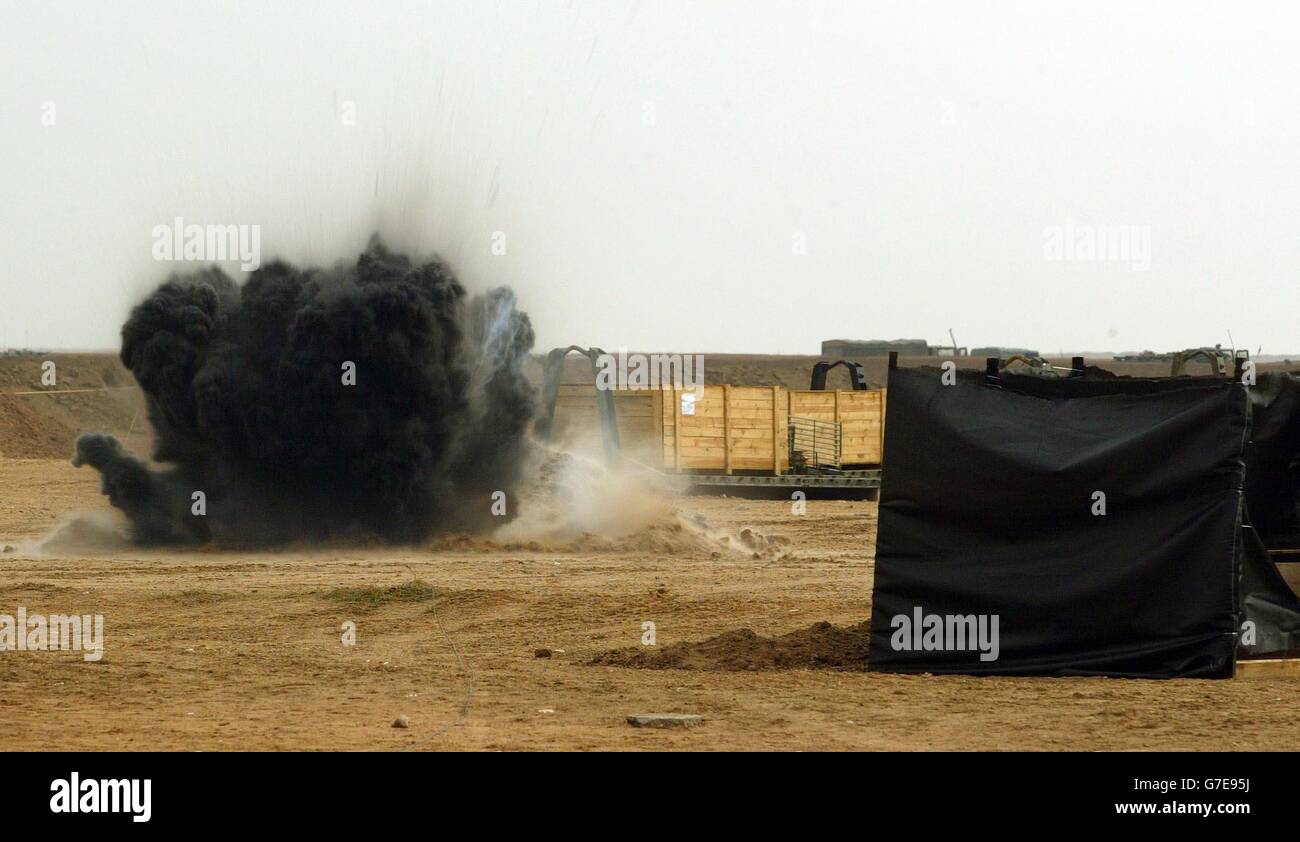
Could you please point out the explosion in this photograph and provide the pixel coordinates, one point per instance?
(373, 401)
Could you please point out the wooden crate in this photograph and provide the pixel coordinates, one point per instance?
(733, 428)
(861, 416)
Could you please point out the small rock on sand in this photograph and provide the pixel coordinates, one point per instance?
(402, 721)
(541, 653)
(664, 720)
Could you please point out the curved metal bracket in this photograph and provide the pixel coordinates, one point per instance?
(553, 373)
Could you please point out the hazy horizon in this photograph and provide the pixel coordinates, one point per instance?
(739, 178)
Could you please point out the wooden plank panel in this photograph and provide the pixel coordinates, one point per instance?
(717, 426)
(726, 430)
(677, 428)
(710, 431)
(715, 411)
(776, 433)
(696, 451)
(658, 407)
(884, 405)
(860, 415)
(1269, 668)
(747, 434)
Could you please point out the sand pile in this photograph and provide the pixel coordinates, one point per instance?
(820, 646)
(88, 532)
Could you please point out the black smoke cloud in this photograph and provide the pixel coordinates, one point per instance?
(247, 399)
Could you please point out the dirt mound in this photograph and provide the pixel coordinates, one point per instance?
(27, 434)
(91, 532)
(672, 538)
(820, 646)
(92, 393)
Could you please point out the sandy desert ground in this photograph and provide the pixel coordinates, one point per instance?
(212, 650)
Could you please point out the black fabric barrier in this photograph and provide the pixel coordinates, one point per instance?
(989, 512)
(1271, 459)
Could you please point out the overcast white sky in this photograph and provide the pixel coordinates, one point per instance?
(654, 165)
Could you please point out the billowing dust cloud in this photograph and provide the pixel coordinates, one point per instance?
(374, 401)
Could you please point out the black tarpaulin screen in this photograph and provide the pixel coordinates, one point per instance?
(1271, 459)
(1095, 524)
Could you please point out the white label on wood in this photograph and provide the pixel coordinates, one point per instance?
(688, 403)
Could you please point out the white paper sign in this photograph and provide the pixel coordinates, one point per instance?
(688, 404)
